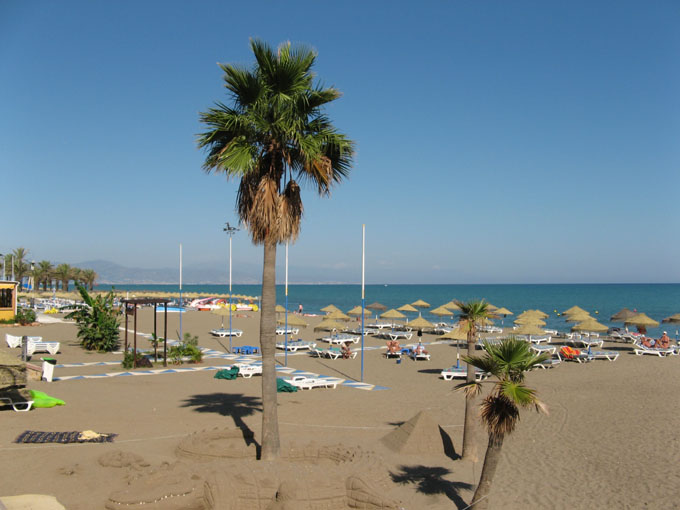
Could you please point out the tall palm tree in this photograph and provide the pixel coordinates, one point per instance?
(21, 267)
(508, 362)
(43, 273)
(274, 132)
(472, 314)
(89, 277)
(64, 274)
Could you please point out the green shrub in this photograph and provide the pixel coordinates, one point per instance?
(128, 360)
(187, 349)
(25, 316)
(97, 322)
(7, 321)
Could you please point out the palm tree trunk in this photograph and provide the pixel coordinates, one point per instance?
(471, 423)
(480, 500)
(270, 419)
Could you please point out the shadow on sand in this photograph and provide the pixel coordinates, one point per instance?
(430, 480)
(235, 405)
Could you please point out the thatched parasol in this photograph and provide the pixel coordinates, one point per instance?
(491, 307)
(622, 315)
(641, 319)
(338, 315)
(376, 306)
(673, 319)
(280, 309)
(330, 308)
(578, 317)
(421, 304)
(590, 325)
(355, 311)
(502, 311)
(407, 308)
(419, 323)
(329, 325)
(451, 305)
(574, 309)
(294, 320)
(528, 329)
(441, 311)
(392, 314)
(529, 320)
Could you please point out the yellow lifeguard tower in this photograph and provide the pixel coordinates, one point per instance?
(8, 299)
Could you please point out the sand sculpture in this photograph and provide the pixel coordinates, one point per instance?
(218, 470)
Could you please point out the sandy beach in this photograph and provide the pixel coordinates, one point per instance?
(610, 440)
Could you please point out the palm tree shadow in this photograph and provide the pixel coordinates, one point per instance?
(235, 405)
(430, 480)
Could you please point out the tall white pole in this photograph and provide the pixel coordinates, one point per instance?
(363, 294)
(230, 292)
(180, 292)
(285, 355)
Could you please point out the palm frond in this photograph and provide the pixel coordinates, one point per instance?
(471, 389)
(499, 414)
(518, 393)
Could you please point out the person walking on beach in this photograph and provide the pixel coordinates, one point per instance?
(300, 309)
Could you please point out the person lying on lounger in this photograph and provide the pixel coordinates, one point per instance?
(649, 342)
(420, 349)
(664, 342)
(346, 352)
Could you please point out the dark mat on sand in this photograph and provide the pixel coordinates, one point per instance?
(37, 436)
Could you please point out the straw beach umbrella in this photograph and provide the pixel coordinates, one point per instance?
(329, 325)
(294, 320)
(407, 308)
(451, 305)
(673, 319)
(529, 320)
(458, 333)
(280, 309)
(330, 308)
(392, 314)
(376, 306)
(590, 325)
(573, 310)
(356, 311)
(221, 311)
(529, 330)
(578, 317)
(421, 304)
(442, 312)
(504, 312)
(641, 321)
(622, 315)
(420, 323)
(338, 315)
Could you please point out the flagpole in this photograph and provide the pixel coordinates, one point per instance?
(285, 353)
(363, 295)
(180, 292)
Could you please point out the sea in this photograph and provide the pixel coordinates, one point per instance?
(601, 300)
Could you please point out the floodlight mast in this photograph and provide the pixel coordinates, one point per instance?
(230, 232)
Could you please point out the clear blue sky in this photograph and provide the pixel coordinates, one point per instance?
(497, 141)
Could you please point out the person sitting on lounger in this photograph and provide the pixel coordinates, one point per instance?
(649, 342)
(664, 342)
(393, 346)
(420, 349)
(346, 352)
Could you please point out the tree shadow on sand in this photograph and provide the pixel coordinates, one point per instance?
(430, 480)
(235, 405)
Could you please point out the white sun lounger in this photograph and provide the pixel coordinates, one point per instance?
(380, 325)
(340, 339)
(17, 405)
(544, 349)
(396, 335)
(280, 330)
(247, 370)
(13, 341)
(33, 346)
(225, 332)
(307, 383)
(608, 355)
(549, 363)
(461, 373)
(641, 349)
(295, 345)
(422, 356)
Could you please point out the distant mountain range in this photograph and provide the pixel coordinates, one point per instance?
(112, 273)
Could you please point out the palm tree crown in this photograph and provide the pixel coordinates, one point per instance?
(275, 132)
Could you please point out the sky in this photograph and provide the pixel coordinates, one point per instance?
(497, 142)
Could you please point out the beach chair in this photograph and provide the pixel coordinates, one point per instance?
(14, 398)
(316, 352)
(13, 341)
(294, 345)
(307, 383)
(571, 354)
(33, 346)
(448, 374)
(608, 355)
(549, 363)
(222, 333)
(418, 354)
(247, 370)
(544, 349)
(641, 349)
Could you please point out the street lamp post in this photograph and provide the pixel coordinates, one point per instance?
(3, 267)
(230, 232)
(33, 280)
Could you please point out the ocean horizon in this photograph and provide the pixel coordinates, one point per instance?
(602, 300)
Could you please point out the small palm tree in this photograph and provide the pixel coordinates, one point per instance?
(273, 136)
(21, 267)
(472, 314)
(508, 362)
(89, 277)
(64, 274)
(43, 271)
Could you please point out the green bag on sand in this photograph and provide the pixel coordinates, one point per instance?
(284, 387)
(41, 399)
(232, 373)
